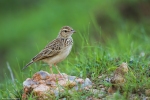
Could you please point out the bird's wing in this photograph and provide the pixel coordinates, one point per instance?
(52, 49)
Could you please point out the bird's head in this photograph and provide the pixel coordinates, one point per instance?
(66, 32)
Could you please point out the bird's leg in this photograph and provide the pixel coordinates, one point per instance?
(58, 71)
(51, 70)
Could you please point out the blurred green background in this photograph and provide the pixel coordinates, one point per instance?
(26, 26)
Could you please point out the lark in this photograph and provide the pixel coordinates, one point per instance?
(57, 50)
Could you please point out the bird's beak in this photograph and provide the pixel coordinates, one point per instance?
(73, 31)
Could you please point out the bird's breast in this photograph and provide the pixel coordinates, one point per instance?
(59, 57)
(66, 51)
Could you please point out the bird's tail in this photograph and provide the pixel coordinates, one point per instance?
(27, 65)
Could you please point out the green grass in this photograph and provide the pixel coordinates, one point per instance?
(104, 40)
(93, 60)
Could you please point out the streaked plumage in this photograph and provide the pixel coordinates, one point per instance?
(57, 50)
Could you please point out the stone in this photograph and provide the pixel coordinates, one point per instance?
(147, 92)
(29, 83)
(92, 98)
(47, 86)
(147, 98)
(100, 93)
(118, 79)
(41, 75)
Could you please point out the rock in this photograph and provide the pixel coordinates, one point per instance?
(84, 83)
(101, 86)
(122, 69)
(147, 98)
(72, 78)
(134, 97)
(100, 93)
(47, 86)
(111, 90)
(118, 78)
(147, 92)
(41, 75)
(92, 98)
(42, 91)
(107, 79)
(29, 83)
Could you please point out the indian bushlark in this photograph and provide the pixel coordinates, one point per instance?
(57, 50)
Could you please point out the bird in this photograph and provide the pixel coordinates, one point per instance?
(57, 50)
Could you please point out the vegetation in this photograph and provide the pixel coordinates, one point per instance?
(108, 33)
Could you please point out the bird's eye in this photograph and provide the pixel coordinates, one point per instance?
(65, 30)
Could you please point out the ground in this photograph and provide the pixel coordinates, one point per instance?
(108, 33)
